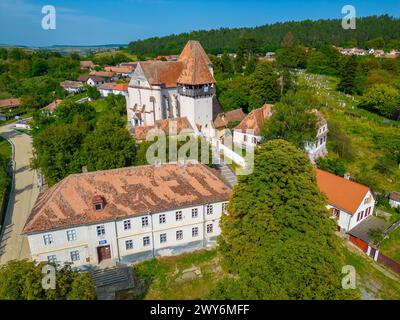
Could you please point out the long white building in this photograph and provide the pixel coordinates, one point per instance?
(127, 214)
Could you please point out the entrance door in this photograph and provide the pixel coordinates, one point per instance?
(103, 253)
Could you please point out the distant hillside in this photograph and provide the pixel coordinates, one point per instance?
(269, 37)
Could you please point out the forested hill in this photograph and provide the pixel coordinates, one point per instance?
(269, 37)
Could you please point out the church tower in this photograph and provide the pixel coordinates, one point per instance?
(195, 85)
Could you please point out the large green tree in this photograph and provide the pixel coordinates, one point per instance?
(263, 86)
(278, 241)
(22, 280)
(109, 146)
(292, 119)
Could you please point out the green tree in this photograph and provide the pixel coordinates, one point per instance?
(292, 119)
(93, 92)
(109, 146)
(347, 83)
(333, 165)
(22, 280)
(226, 62)
(250, 66)
(278, 241)
(263, 86)
(383, 99)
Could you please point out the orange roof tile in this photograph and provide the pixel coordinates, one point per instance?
(10, 103)
(342, 193)
(194, 48)
(53, 106)
(121, 87)
(176, 124)
(223, 119)
(126, 192)
(255, 119)
(162, 72)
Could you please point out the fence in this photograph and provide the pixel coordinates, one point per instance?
(375, 254)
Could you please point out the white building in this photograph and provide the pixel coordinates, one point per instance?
(349, 202)
(394, 199)
(317, 149)
(172, 89)
(127, 214)
(72, 86)
(248, 131)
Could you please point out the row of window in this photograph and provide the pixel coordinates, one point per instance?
(363, 214)
(101, 231)
(163, 236)
(74, 255)
(48, 238)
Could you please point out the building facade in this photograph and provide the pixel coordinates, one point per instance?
(127, 215)
(349, 202)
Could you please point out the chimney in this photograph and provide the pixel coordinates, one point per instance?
(84, 169)
(347, 176)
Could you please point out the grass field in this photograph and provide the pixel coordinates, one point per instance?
(369, 135)
(391, 246)
(162, 278)
(372, 281)
(5, 153)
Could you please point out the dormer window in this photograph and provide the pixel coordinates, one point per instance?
(98, 203)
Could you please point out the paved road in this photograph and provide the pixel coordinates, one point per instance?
(14, 245)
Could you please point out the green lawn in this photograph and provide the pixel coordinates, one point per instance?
(391, 246)
(5, 148)
(5, 153)
(100, 105)
(371, 280)
(161, 278)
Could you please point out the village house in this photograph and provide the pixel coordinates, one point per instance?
(113, 88)
(248, 131)
(106, 88)
(85, 65)
(9, 104)
(121, 71)
(92, 80)
(104, 74)
(72, 86)
(52, 106)
(394, 199)
(349, 202)
(173, 89)
(127, 214)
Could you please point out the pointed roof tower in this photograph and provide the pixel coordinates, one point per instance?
(197, 65)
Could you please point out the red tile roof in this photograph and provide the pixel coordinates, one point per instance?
(126, 192)
(120, 69)
(53, 106)
(10, 103)
(121, 86)
(191, 68)
(71, 84)
(223, 119)
(255, 119)
(104, 74)
(342, 193)
(176, 124)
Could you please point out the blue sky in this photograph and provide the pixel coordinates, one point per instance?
(90, 22)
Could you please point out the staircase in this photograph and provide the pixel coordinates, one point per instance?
(227, 174)
(110, 280)
(110, 276)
